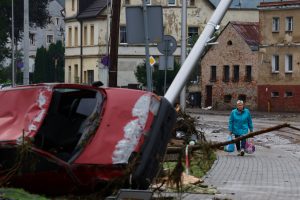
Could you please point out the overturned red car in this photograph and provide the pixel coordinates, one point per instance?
(61, 138)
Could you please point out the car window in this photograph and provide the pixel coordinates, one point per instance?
(86, 106)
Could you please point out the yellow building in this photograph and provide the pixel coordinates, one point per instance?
(279, 57)
(86, 35)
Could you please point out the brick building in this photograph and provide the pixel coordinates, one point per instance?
(279, 56)
(229, 68)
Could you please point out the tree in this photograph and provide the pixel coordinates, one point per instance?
(157, 75)
(38, 17)
(49, 64)
(41, 63)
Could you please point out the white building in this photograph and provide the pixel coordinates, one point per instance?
(52, 33)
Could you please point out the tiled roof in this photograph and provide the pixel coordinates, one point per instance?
(249, 32)
(281, 3)
(242, 4)
(93, 9)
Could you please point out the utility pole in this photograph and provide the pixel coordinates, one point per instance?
(13, 76)
(148, 67)
(26, 43)
(114, 45)
(183, 49)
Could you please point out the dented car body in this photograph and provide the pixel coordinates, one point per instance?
(58, 138)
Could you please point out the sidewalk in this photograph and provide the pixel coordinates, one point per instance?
(269, 174)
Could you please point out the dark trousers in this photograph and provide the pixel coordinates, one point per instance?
(240, 144)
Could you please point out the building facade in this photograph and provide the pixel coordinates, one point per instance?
(279, 56)
(87, 30)
(230, 67)
(53, 32)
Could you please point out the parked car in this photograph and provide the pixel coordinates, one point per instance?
(60, 138)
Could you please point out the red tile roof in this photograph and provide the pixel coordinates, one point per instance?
(279, 3)
(248, 30)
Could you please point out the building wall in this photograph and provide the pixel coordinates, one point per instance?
(279, 43)
(239, 53)
(38, 36)
(287, 100)
(132, 55)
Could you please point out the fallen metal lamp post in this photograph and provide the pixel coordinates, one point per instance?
(194, 56)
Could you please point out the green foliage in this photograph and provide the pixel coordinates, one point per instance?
(49, 64)
(158, 76)
(18, 194)
(38, 16)
(41, 64)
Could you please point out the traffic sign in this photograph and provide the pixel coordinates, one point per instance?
(168, 46)
(152, 60)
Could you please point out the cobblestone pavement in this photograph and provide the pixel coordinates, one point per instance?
(271, 173)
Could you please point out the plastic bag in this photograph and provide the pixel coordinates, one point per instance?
(229, 147)
(250, 147)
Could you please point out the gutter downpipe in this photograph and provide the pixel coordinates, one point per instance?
(81, 51)
(194, 56)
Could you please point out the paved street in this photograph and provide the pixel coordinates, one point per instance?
(273, 172)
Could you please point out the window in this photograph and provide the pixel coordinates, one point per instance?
(275, 25)
(192, 2)
(171, 2)
(229, 43)
(84, 77)
(289, 24)
(73, 5)
(192, 34)
(242, 97)
(56, 21)
(275, 63)
(288, 94)
(76, 77)
(227, 98)
(90, 74)
(148, 2)
(85, 34)
(288, 63)
(248, 73)
(32, 39)
(70, 37)
(50, 39)
(76, 37)
(236, 73)
(69, 74)
(213, 73)
(127, 2)
(123, 31)
(274, 94)
(92, 35)
(226, 73)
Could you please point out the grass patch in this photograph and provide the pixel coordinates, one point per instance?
(18, 194)
(201, 162)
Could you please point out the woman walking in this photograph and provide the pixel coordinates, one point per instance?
(240, 122)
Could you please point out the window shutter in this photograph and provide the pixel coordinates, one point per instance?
(273, 63)
(286, 63)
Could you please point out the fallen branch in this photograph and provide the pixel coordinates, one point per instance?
(295, 128)
(221, 144)
(171, 150)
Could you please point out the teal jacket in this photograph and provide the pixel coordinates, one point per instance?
(240, 122)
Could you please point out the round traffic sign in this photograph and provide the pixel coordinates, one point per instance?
(168, 45)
